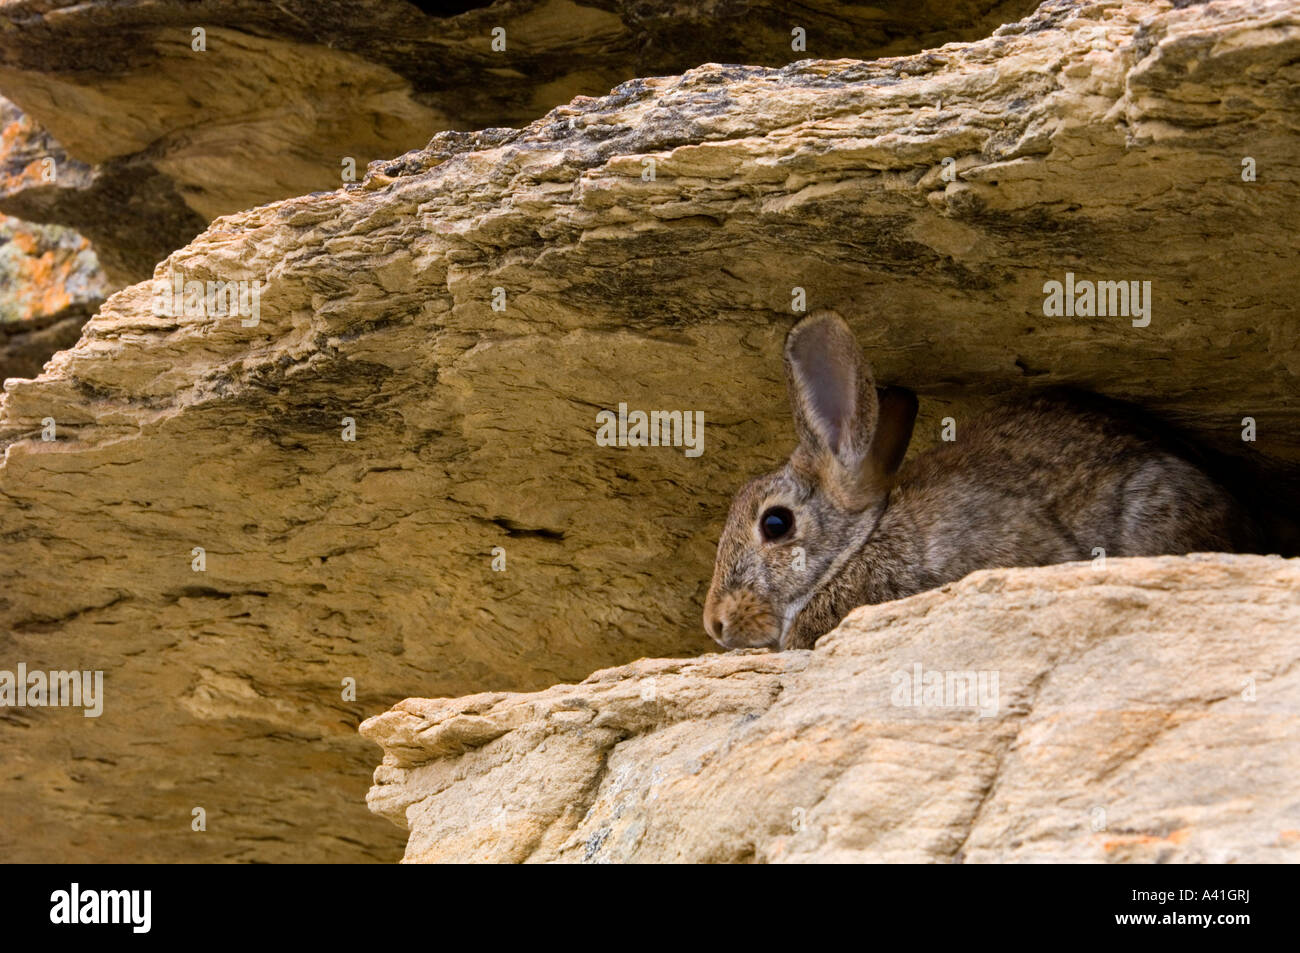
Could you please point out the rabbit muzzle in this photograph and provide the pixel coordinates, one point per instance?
(741, 619)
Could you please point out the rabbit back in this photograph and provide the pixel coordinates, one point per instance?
(1043, 482)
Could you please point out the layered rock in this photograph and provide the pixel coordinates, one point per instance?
(645, 245)
(170, 129)
(1142, 711)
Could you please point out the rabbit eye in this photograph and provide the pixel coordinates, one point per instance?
(776, 523)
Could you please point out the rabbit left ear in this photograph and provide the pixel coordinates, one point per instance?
(831, 391)
(853, 435)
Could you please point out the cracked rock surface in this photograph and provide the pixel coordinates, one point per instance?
(1099, 139)
(1143, 712)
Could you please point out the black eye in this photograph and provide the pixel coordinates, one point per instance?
(776, 523)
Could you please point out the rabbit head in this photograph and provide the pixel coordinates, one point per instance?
(790, 531)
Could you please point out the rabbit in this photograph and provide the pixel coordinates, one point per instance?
(844, 523)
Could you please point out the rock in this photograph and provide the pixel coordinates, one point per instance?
(1142, 712)
(26, 346)
(282, 94)
(131, 213)
(1101, 140)
(50, 279)
(45, 269)
(50, 284)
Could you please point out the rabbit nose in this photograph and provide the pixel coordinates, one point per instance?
(714, 624)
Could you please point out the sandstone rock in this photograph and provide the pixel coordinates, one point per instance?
(130, 212)
(50, 283)
(26, 346)
(50, 279)
(284, 92)
(1142, 712)
(1101, 139)
(45, 269)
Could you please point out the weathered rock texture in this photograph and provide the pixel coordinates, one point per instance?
(1103, 139)
(50, 279)
(1148, 711)
(165, 138)
(132, 214)
(50, 283)
(45, 269)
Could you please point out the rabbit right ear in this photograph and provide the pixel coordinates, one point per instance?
(894, 421)
(834, 401)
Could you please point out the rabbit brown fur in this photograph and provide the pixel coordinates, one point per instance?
(1042, 482)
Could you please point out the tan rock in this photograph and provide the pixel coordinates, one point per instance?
(50, 279)
(50, 284)
(1144, 711)
(372, 560)
(167, 130)
(134, 218)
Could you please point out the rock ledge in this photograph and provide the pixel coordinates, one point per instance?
(1144, 712)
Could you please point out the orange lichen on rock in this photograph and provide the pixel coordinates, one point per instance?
(45, 269)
